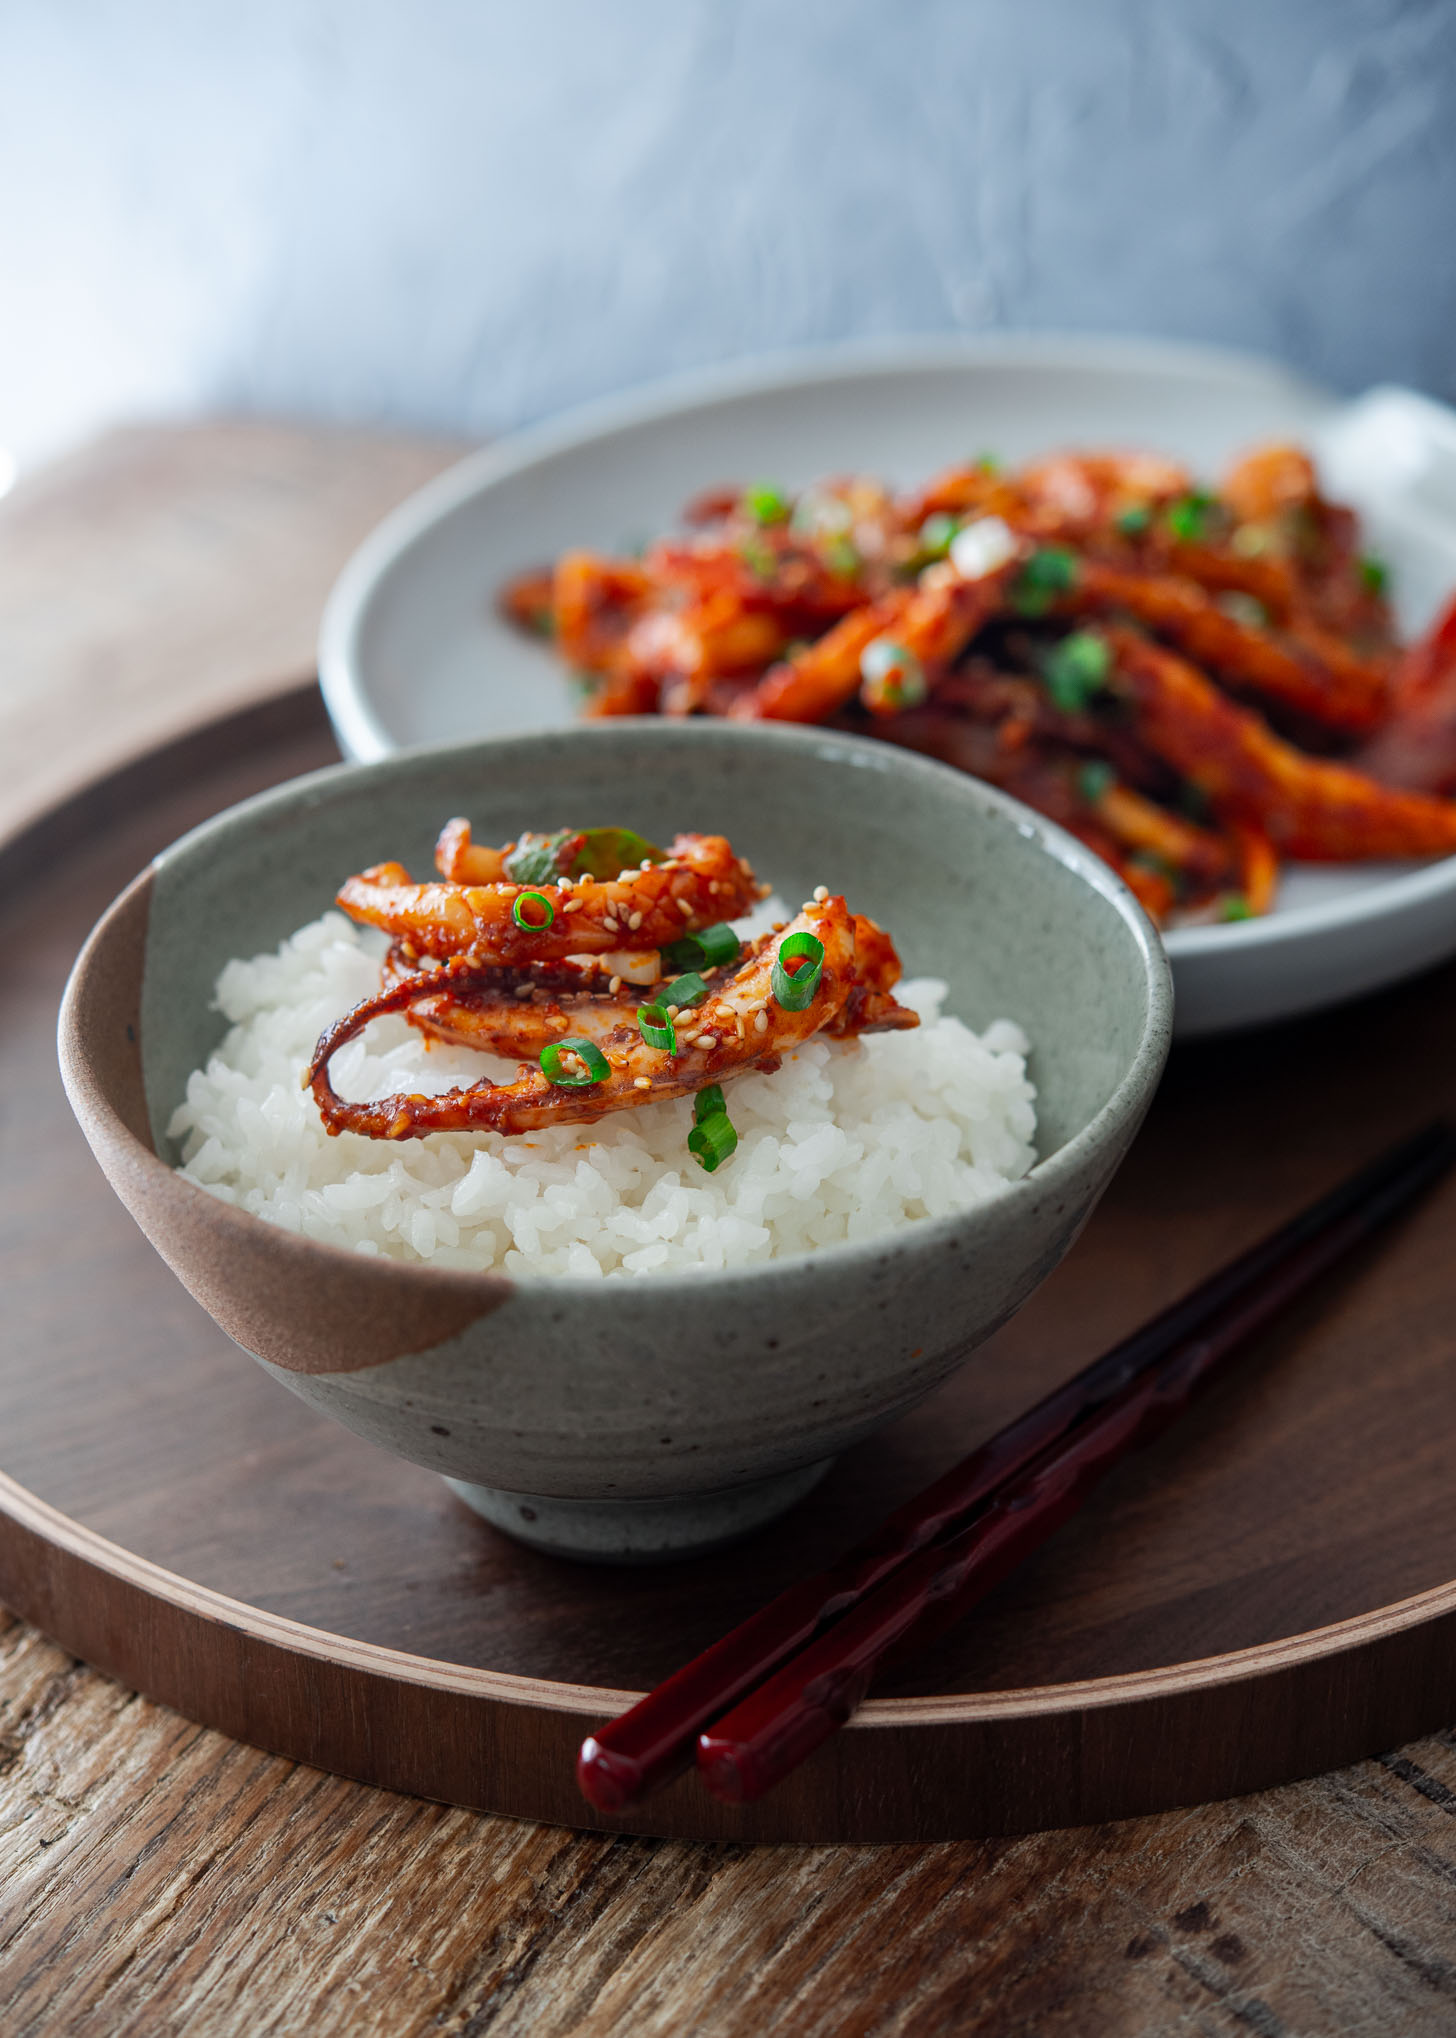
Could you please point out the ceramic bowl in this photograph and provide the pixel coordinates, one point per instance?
(414, 650)
(652, 1415)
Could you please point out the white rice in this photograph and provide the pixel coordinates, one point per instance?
(846, 1141)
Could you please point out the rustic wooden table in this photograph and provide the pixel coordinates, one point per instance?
(158, 1878)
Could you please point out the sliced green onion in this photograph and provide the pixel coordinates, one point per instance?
(1188, 516)
(1051, 570)
(708, 1100)
(1134, 520)
(1095, 778)
(1244, 608)
(712, 1140)
(606, 852)
(891, 676)
(593, 1066)
(935, 534)
(1374, 575)
(759, 558)
(1236, 907)
(654, 1022)
(988, 463)
(518, 914)
(767, 504)
(685, 992)
(841, 556)
(535, 860)
(794, 992)
(1075, 669)
(706, 949)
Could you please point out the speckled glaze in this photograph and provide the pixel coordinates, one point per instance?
(569, 1391)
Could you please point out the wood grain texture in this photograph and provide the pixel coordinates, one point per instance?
(156, 1878)
(161, 1880)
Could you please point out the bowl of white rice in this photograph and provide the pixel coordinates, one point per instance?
(606, 1350)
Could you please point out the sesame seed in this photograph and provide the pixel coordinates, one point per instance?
(523, 990)
(572, 906)
(714, 887)
(741, 1023)
(563, 884)
(685, 909)
(615, 985)
(558, 1019)
(610, 926)
(641, 1082)
(706, 1040)
(673, 1010)
(821, 893)
(634, 921)
(645, 864)
(760, 1022)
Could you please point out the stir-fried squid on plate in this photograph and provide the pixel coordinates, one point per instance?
(609, 966)
(1197, 685)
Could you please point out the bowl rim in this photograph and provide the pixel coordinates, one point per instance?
(1124, 1107)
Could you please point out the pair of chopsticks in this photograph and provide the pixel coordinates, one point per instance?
(759, 1701)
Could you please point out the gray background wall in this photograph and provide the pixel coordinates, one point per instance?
(465, 213)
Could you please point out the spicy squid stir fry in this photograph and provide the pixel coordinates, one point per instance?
(1198, 685)
(610, 968)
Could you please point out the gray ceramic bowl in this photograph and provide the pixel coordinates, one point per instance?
(575, 1414)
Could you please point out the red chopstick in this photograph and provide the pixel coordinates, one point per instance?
(948, 1546)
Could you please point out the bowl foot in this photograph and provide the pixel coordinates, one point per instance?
(640, 1531)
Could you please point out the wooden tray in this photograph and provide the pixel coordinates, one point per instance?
(1265, 1594)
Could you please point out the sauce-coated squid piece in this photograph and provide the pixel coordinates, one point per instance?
(744, 1024)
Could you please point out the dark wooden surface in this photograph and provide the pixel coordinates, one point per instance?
(157, 1878)
(1297, 1497)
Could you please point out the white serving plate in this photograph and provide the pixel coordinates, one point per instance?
(412, 651)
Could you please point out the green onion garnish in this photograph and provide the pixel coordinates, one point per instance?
(706, 949)
(535, 860)
(606, 852)
(767, 504)
(892, 677)
(1051, 570)
(712, 1140)
(841, 556)
(708, 1100)
(592, 1064)
(1236, 907)
(685, 992)
(936, 533)
(1188, 515)
(796, 991)
(1075, 669)
(759, 558)
(1374, 575)
(988, 463)
(1094, 779)
(1244, 608)
(1250, 540)
(536, 898)
(654, 1022)
(1134, 520)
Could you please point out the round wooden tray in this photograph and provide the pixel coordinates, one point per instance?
(1266, 1593)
